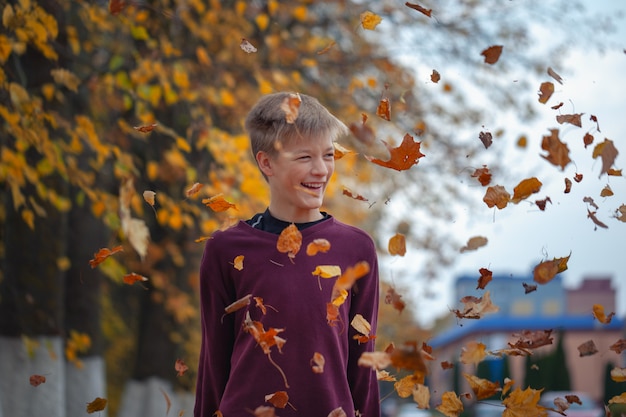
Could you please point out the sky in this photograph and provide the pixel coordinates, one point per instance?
(520, 236)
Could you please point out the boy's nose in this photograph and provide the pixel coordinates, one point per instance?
(319, 167)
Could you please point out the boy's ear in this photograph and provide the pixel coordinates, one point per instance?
(264, 162)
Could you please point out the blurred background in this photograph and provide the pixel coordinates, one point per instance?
(103, 101)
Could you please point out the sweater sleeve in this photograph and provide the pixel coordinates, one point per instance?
(216, 292)
(362, 380)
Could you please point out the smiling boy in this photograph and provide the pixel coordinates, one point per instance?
(236, 373)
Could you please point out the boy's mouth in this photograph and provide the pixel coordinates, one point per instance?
(312, 185)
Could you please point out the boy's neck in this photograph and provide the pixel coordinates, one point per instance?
(296, 217)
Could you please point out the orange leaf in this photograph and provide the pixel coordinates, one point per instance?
(262, 306)
(318, 363)
(606, 191)
(482, 388)
(402, 157)
(547, 270)
(370, 20)
(619, 346)
(525, 188)
(340, 151)
(545, 92)
(116, 6)
(408, 357)
(96, 405)
(485, 277)
(451, 404)
(36, 380)
(239, 304)
(291, 107)
(497, 196)
(384, 109)
(419, 8)
(103, 254)
(523, 403)
(435, 76)
(558, 152)
(483, 175)
(279, 399)
(351, 194)
(492, 54)
(180, 367)
(347, 280)
(473, 352)
(193, 190)
(598, 313)
(217, 203)
(265, 338)
(289, 241)
(317, 246)
(238, 262)
(145, 128)
(131, 278)
(397, 245)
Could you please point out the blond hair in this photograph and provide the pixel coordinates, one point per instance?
(269, 126)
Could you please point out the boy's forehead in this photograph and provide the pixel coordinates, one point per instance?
(304, 143)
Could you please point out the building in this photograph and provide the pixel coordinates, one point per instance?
(567, 312)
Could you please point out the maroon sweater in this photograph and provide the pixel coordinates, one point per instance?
(235, 375)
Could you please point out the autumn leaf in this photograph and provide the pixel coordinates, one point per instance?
(598, 314)
(528, 288)
(451, 404)
(408, 357)
(606, 191)
(554, 75)
(145, 128)
(36, 380)
(482, 388)
(475, 307)
(347, 280)
(375, 360)
(238, 305)
(558, 152)
(363, 132)
(395, 299)
(103, 254)
(474, 243)
(486, 138)
(246, 46)
(524, 403)
(473, 353)
(619, 346)
(435, 76)
(384, 109)
(618, 374)
(568, 186)
(525, 188)
(327, 271)
(542, 203)
(340, 151)
(279, 399)
(168, 401)
(485, 277)
(361, 325)
(402, 157)
(483, 176)
(529, 339)
(289, 241)
(607, 152)
(193, 190)
(573, 119)
(266, 339)
(218, 203)
(180, 367)
(419, 8)
(238, 262)
(618, 399)
(587, 348)
(545, 271)
(620, 213)
(492, 54)
(291, 107)
(317, 246)
(595, 220)
(347, 192)
(337, 412)
(370, 20)
(98, 404)
(131, 278)
(497, 196)
(263, 307)
(397, 245)
(446, 365)
(318, 362)
(264, 411)
(545, 92)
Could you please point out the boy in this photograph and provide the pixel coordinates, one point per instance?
(250, 352)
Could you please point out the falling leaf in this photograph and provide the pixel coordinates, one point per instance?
(318, 363)
(395, 299)
(492, 54)
(486, 138)
(542, 203)
(402, 157)
(263, 307)
(419, 8)
(238, 262)
(131, 278)
(397, 245)
(239, 304)
(618, 399)
(136, 230)
(474, 243)
(103, 254)
(36, 380)
(483, 175)
(587, 349)
(361, 325)
(573, 119)
(618, 374)
(594, 219)
(327, 48)
(337, 412)
(150, 198)
(421, 395)
(528, 288)
(554, 75)
(482, 388)
(568, 186)
(264, 411)
(145, 128)
(408, 357)
(451, 404)
(347, 192)
(291, 107)
(620, 213)
(193, 190)
(370, 20)
(375, 360)
(557, 106)
(485, 277)
(96, 405)
(384, 109)
(497, 196)
(218, 203)
(545, 271)
(347, 280)
(545, 92)
(525, 188)
(607, 152)
(522, 142)
(289, 241)
(327, 271)
(578, 177)
(340, 151)
(529, 339)
(606, 191)
(598, 313)
(524, 403)
(619, 346)
(317, 246)
(363, 132)
(279, 399)
(475, 307)
(590, 201)
(435, 77)
(180, 367)
(558, 152)
(447, 365)
(587, 139)
(246, 46)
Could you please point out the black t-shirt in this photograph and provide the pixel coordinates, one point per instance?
(266, 222)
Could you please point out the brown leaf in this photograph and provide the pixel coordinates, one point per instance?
(620, 213)
(483, 175)
(474, 243)
(145, 128)
(419, 8)
(619, 346)
(279, 399)
(568, 186)
(587, 139)
(497, 196)
(363, 132)
(193, 190)
(554, 75)
(606, 191)
(545, 92)
(483, 388)
(180, 367)
(545, 271)
(98, 404)
(525, 188)
(289, 241)
(239, 304)
(116, 6)
(528, 288)
(558, 152)
(573, 119)
(485, 277)
(492, 54)
(594, 219)
(486, 138)
(397, 245)
(103, 254)
(451, 405)
(542, 203)
(395, 299)
(36, 380)
(435, 76)
(587, 349)
(402, 157)
(384, 109)
(607, 152)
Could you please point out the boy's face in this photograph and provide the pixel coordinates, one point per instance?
(298, 176)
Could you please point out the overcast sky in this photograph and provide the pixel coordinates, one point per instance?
(520, 236)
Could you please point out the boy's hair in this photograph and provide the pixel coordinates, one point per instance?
(268, 127)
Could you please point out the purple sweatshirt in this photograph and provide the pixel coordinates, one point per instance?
(235, 375)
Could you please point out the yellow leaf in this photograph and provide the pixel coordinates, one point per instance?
(421, 395)
(397, 245)
(98, 404)
(217, 203)
(618, 399)
(451, 404)
(238, 262)
(370, 20)
(525, 188)
(618, 374)
(140, 33)
(327, 271)
(29, 217)
(183, 145)
(473, 352)
(598, 313)
(482, 388)
(523, 403)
